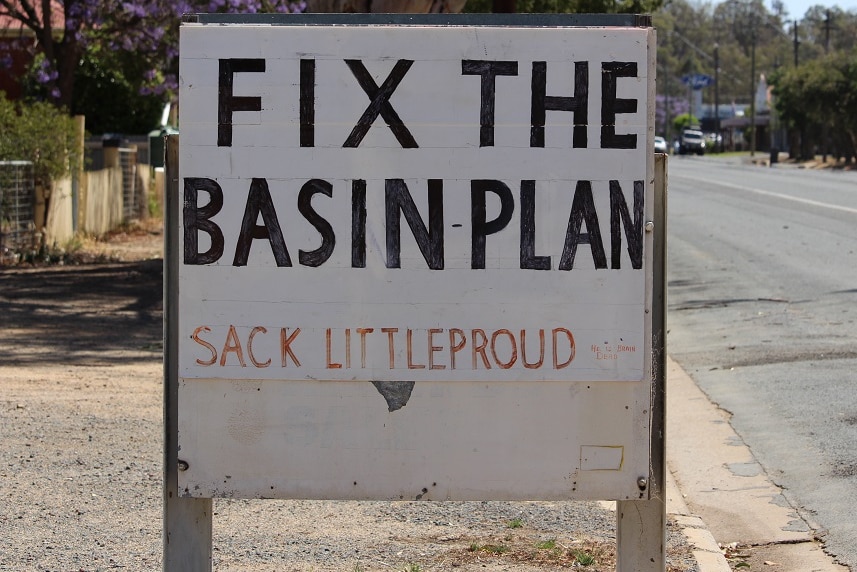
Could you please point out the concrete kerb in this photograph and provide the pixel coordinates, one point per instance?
(717, 505)
(709, 557)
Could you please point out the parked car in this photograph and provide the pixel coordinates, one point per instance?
(692, 141)
(660, 145)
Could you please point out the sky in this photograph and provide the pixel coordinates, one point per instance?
(797, 8)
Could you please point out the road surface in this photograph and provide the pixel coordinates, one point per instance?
(762, 305)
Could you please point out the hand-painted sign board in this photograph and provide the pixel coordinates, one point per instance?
(415, 260)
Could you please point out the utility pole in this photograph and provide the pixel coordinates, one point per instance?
(753, 89)
(717, 141)
(796, 42)
(668, 126)
(801, 132)
(826, 51)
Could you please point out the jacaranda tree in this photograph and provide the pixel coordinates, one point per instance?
(65, 30)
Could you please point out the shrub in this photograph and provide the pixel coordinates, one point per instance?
(41, 133)
(685, 121)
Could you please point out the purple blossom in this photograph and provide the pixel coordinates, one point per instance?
(45, 73)
(135, 9)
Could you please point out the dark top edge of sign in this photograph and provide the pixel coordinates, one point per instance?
(511, 20)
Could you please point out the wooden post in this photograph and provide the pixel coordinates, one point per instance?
(78, 189)
(641, 525)
(187, 521)
(40, 207)
(111, 155)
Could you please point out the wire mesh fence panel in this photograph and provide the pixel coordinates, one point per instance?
(128, 162)
(17, 206)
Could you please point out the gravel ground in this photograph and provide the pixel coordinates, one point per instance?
(81, 462)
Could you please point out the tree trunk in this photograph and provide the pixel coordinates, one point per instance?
(63, 56)
(66, 62)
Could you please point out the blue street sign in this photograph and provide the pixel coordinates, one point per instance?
(697, 80)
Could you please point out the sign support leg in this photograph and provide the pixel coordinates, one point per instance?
(187, 521)
(641, 536)
(641, 525)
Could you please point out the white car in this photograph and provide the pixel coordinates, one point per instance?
(692, 141)
(660, 145)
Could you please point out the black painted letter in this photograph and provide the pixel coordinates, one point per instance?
(199, 219)
(489, 72)
(583, 209)
(579, 104)
(227, 103)
(380, 103)
(529, 260)
(320, 255)
(307, 103)
(480, 227)
(430, 241)
(358, 223)
(259, 201)
(633, 229)
(611, 105)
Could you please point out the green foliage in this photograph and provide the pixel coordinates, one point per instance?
(583, 558)
(827, 29)
(495, 549)
(822, 93)
(684, 121)
(515, 523)
(41, 133)
(108, 90)
(549, 544)
(572, 6)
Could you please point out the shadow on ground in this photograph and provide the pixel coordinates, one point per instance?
(93, 314)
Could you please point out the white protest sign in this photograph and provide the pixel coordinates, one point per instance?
(455, 214)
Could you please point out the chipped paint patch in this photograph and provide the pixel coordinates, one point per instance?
(395, 393)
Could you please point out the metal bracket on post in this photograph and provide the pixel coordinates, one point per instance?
(187, 521)
(641, 525)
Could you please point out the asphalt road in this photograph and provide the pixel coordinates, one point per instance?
(762, 308)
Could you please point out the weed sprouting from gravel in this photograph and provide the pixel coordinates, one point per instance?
(526, 548)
